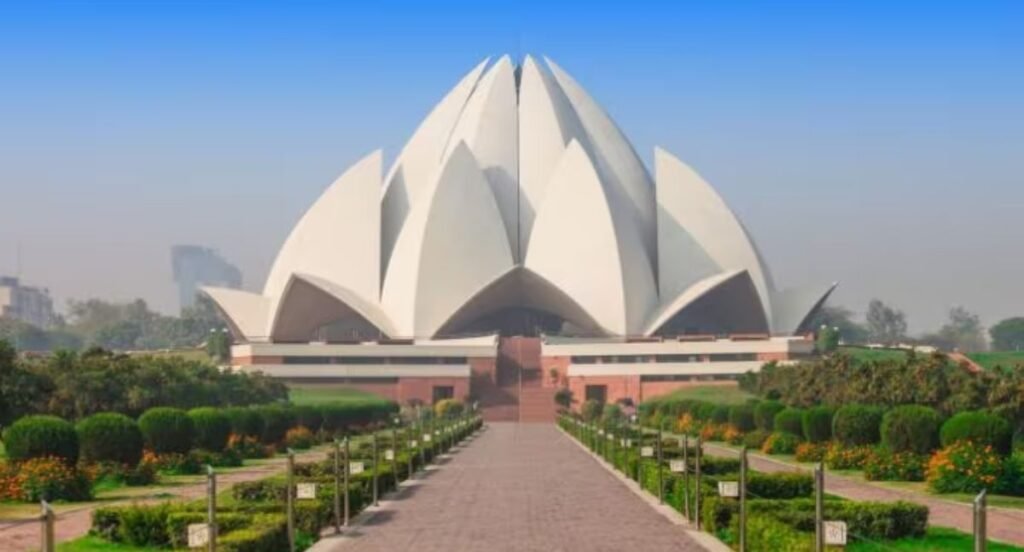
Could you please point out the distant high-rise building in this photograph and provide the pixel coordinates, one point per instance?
(196, 266)
(27, 304)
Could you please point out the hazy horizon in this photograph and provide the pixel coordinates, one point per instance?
(874, 145)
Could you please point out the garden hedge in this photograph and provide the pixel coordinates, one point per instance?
(981, 428)
(790, 420)
(245, 421)
(40, 436)
(764, 414)
(741, 416)
(857, 424)
(277, 420)
(911, 428)
(817, 424)
(212, 428)
(720, 414)
(110, 437)
(167, 430)
(309, 417)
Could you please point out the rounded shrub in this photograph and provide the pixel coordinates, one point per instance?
(167, 430)
(452, 408)
(911, 428)
(817, 424)
(277, 420)
(755, 438)
(212, 428)
(705, 411)
(741, 416)
(309, 417)
(780, 442)
(245, 421)
(857, 424)
(764, 414)
(720, 414)
(790, 420)
(110, 437)
(980, 428)
(39, 437)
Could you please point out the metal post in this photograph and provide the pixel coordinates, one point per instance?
(423, 452)
(697, 490)
(743, 500)
(394, 452)
(661, 462)
(345, 475)
(639, 456)
(290, 500)
(980, 522)
(211, 508)
(375, 458)
(408, 444)
(337, 487)
(49, 543)
(686, 476)
(819, 507)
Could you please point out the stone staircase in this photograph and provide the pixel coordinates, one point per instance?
(516, 392)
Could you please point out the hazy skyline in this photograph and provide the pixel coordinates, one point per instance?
(877, 145)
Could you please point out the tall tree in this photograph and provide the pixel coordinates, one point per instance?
(886, 324)
(962, 332)
(1008, 335)
(840, 318)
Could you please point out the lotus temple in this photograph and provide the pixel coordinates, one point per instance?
(518, 245)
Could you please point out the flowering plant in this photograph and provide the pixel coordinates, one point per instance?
(732, 435)
(685, 423)
(968, 467)
(811, 452)
(47, 478)
(841, 457)
(884, 465)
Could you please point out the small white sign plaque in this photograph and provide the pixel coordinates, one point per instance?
(305, 491)
(356, 468)
(389, 454)
(676, 466)
(426, 437)
(629, 443)
(835, 533)
(198, 535)
(647, 452)
(611, 437)
(413, 444)
(600, 432)
(729, 489)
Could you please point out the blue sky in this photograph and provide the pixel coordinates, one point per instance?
(880, 144)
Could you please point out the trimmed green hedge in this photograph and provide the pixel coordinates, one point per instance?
(817, 424)
(741, 416)
(911, 428)
(167, 430)
(764, 414)
(790, 420)
(245, 421)
(110, 437)
(981, 428)
(212, 428)
(40, 436)
(857, 424)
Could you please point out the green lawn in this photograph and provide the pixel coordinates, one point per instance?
(992, 359)
(938, 539)
(327, 393)
(95, 544)
(720, 394)
(864, 354)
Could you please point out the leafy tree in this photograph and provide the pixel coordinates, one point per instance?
(21, 391)
(828, 339)
(962, 332)
(886, 324)
(840, 318)
(1008, 335)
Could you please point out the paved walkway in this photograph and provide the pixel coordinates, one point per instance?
(1004, 524)
(515, 487)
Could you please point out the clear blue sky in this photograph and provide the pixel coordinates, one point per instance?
(880, 144)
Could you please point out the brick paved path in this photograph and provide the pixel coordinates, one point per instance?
(516, 487)
(1004, 524)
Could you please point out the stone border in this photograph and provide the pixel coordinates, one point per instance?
(702, 538)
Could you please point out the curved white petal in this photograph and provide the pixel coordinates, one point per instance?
(687, 203)
(417, 165)
(453, 244)
(795, 307)
(310, 302)
(245, 313)
(488, 126)
(338, 237)
(547, 123)
(580, 248)
(520, 288)
(725, 303)
(617, 154)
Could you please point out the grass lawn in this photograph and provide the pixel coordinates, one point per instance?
(864, 354)
(938, 539)
(728, 393)
(992, 359)
(95, 544)
(327, 393)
